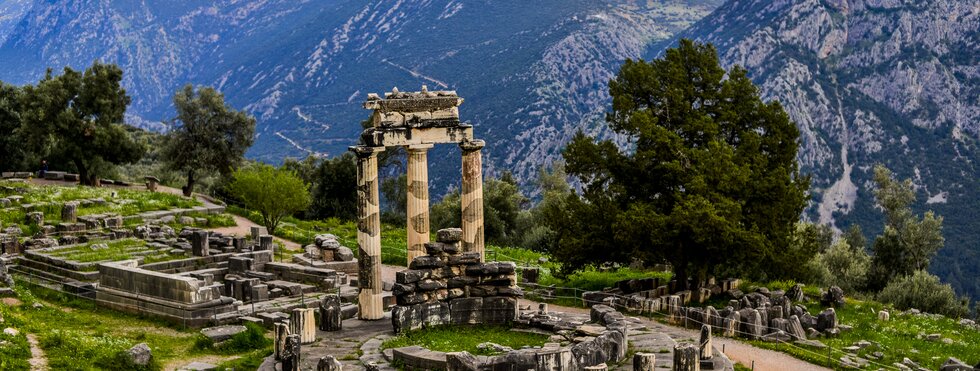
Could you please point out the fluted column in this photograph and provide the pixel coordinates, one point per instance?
(418, 200)
(472, 196)
(368, 233)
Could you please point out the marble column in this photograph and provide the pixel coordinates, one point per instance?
(418, 200)
(472, 197)
(368, 233)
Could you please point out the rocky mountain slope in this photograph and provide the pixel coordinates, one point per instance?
(531, 72)
(872, 81)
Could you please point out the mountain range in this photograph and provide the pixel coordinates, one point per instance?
(867, 81)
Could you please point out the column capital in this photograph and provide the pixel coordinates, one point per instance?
(419, 147)
(365, 151)
(472, 145)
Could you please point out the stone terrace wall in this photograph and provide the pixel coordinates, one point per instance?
(447, 287)
(181, 289)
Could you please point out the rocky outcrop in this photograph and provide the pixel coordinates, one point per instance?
(867, 82)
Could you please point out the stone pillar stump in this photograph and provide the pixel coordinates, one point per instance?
(302, 322)
(686, 357)
(331, 318)
(69, 212)
(644, 362)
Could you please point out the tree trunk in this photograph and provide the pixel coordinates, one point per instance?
(84, 178)
(189, 188)
(680, 274)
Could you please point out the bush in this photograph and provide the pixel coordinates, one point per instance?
(925, 292)
(843, 266)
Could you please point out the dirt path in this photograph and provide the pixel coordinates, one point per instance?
(38, 360)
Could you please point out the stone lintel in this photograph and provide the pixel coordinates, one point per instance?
(365, 151)
(405, 136)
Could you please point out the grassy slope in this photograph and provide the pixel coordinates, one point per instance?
(77, 335)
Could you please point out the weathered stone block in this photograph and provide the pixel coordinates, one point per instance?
(406, 318)
(302, 322)
(644, 361)
(423, 262)
(686, 357)
(499, 310)
(200, 243)
(329, 363)
(462, 361)
(331, 313)
(466, 311)
(449, 235)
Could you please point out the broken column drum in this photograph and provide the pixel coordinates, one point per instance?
(416, 121)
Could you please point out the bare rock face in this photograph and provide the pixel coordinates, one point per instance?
(868, 81)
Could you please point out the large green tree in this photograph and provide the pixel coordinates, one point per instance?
(78, 117)
(708, 179)
(12, 151)
(274, 193)
(210, 136)
(908, 243)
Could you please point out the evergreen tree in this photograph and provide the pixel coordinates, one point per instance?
(78, 117)
(210, 136)
(709, 176)
(12, 150)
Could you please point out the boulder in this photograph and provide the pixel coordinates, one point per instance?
(883, 316)
(140, 355)
(343, 254)
(329, 363)
(795, 293)
(953, 364)
(834, 297)
(827, 320)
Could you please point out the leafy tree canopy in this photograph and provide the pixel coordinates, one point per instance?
(210, 136)
(78, 116)
(709, 176)
(908, 243)
(274, 193)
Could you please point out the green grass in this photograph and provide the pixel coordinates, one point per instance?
(14, 351)
(117, 250)
(465, 338)
(900, 337)
(394, 242)
(123, 249)
(78, 335)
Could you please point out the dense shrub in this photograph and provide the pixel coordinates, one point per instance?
(925, 292)
(843, 266)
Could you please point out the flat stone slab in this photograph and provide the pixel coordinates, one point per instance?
(222, 333)
(198, 366)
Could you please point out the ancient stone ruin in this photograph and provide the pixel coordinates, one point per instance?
(449, 287)
(416, 121)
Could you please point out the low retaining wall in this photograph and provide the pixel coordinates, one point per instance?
(447, 287)
(610, 346)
